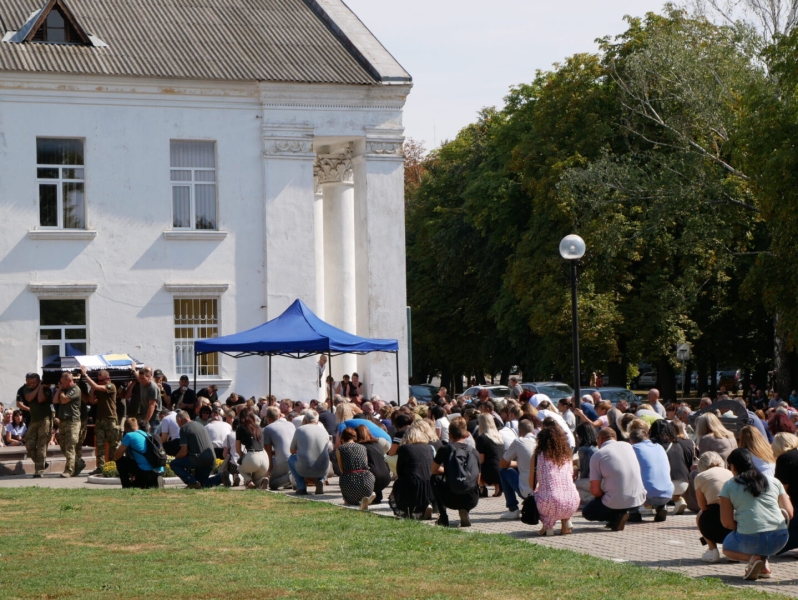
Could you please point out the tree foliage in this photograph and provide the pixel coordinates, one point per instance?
(651, 150)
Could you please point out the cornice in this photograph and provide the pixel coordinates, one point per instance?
(329, 96)
(62, 290)
(288, 140)
(196, 289)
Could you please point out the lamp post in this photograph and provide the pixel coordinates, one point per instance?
(572, 249)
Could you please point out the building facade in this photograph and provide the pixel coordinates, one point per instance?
(161, 184)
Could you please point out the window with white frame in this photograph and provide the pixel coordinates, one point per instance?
(193, 177)
(60, 174)
(195, 319)
(62, 328)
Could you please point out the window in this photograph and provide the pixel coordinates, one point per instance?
(62, 328)
(60, 175)
(56, 29)
(193, 176)
(195, 319)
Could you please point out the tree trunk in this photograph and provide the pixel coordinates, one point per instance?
(666, 379)
(713, 376)
(701, 386)
(616, 374)
(446, 378)
(782, 363)
(458, 386)
(481, 378)
(505, 378)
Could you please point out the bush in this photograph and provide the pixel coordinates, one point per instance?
(109, 469)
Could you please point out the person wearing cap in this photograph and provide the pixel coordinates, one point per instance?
(515, 388)
(102, 394)
(38, 397)
(160, 380)
(184, 398)
(218, 429)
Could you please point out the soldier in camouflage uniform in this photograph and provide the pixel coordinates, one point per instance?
(38, 398)
(67, 400)
(106, 428)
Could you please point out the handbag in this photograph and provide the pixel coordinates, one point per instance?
(529, 511)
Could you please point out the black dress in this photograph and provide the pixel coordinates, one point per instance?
(493, 454)
(356, 482)
(412, 493)
(379, 468)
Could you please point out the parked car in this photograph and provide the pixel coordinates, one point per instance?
(497, 392)
(613, 394)
(553, 389)
(421, 393)
(693, 380)
(647, 380)
(730, 378)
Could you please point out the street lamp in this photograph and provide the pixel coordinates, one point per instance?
(572, 248)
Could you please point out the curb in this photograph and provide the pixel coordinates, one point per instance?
(116, 481)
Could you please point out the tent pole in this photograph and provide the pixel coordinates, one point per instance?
(195, 370)
(329, 362)
(398, 392)
(270, 374)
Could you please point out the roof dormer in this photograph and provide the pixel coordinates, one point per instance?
(57, 25)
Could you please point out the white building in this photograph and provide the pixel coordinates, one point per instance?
(175, 169)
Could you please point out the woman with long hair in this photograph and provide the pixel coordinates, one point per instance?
(412, 492)
(761, 452)
(754, 507)
(356, 481)
(785, 449)
(254, 466)
(490, 446)
(712, 474)
(551, 479)
(710, 434)
(376, 461)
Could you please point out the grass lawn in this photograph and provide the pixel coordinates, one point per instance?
(224, 544)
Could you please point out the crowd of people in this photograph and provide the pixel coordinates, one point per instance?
(614, 462)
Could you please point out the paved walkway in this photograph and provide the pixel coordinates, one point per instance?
(671, 545)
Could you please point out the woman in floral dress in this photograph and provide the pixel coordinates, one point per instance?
(552, 472)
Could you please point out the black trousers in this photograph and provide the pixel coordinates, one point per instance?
(445, 498)
(595, 510)
(132, 476)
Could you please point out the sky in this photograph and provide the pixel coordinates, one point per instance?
(464, 55)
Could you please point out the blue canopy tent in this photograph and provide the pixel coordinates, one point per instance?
(297, 333)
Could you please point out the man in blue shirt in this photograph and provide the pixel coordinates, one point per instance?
(655, 470)
(135, 470)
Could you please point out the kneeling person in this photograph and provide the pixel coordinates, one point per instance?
(456, 490)
(137, 471)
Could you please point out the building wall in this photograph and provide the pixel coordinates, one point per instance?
(265, 199)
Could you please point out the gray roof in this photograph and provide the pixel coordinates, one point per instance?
(310, 41)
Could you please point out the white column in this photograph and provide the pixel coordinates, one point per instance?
(289, 255)
(318, 245)
(334, 173)
(380, 259)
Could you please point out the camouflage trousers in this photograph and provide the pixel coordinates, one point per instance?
(68, 439)
(36, 440)
(106, 430)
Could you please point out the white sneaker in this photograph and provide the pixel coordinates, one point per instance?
(511, 515)
(679, 507)
(711, 556)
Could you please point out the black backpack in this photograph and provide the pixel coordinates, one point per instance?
(462, 469)
(153, 451)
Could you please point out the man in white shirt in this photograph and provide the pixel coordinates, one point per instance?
(170, 432)
(514, 471)
(218, 429)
